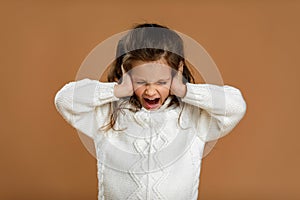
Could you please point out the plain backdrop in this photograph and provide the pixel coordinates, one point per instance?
(255, 44)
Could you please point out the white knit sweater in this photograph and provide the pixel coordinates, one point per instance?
(155, 155)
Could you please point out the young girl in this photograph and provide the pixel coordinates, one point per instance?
(150, 122)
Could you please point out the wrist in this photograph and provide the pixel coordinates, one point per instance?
(121, 91)
(182, 91)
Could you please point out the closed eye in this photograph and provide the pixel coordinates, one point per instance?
(140, 82)
(162, 83)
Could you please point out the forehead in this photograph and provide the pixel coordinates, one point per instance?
(153, 71)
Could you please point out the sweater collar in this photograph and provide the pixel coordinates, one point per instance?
(154, 118)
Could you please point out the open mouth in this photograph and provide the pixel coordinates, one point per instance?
(151, 103)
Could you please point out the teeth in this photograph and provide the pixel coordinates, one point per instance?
(151, 99)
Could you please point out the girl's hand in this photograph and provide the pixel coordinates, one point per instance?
(124, 89)
(177, 87)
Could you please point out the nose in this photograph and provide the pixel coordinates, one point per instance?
(150, 90)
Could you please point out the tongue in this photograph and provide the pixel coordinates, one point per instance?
(154, 101)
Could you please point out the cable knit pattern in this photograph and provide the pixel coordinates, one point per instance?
(154, 157)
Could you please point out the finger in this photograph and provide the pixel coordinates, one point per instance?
(180, 68)
(171, 91)
(123, 71)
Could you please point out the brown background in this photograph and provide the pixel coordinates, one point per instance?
(254, 43)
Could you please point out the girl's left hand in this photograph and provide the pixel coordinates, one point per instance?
(177, 87)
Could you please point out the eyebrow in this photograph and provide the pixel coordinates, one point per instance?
(162, 79)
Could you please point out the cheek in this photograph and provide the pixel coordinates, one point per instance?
(164, 91)
(138, 90)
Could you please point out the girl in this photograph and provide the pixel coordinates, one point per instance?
(150, 122)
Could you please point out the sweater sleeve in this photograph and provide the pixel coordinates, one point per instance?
(85, 104)
(220, 109)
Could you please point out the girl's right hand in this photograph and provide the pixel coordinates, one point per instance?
(125, 88)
